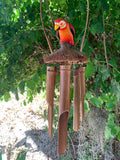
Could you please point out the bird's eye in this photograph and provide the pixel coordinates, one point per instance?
(61, 23)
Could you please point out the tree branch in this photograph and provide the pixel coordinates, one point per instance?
(48, 40)
(85, 26)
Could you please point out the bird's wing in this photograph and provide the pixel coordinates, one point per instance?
(72, 29)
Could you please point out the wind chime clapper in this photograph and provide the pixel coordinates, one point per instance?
(65, 57)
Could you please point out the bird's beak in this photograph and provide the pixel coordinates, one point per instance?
(56, 27)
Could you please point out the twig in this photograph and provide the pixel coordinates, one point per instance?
(107, 24)
(48, 40)
(50, 14)
(117, 3)
(72, 143)
(42, 49)
(96, 38)
(104, 40)
(85, 26)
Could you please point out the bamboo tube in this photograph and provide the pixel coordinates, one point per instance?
(76, 108)
(65, 73)
(62, 133)
(51, 78)
(82, 91)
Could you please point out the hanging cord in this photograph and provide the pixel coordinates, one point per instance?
(85, 26)
(48, 40)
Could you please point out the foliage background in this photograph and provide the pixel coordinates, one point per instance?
(23, 44)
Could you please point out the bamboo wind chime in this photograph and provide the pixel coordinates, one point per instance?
(65, 57)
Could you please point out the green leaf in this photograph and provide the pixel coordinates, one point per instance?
(9, 74)
(86, 104)
(89, 70)
(0, 155)
(108, 134)
(30, 98)
(110, 129)
(96, 102)
(32, 36)
(24, 102)
(102, 68)
(88, 95)
(7, 96)
(114, 131)
(62, 2)
(117, 44)
(105, 72)
(70, 156)
(110, 105)
(71, 93)
(104, 97)
(35, 78)
(115, 88)
(96, 28)
(21, 156)
(63, 158)
(105, 75)
(113, 62)
(101, 100)
(31, 84)
(93, 29)
(22, 87)
(105, 5)
(118, 134)
(99, 28)
(1, 49)
(45, 114)
(81, 8)
(16, 94)
(111, 117)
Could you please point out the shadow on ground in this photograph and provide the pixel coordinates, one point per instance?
(39, 141)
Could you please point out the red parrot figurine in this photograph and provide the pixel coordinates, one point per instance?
(65, 31)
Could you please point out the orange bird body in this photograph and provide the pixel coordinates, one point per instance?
(65, 31)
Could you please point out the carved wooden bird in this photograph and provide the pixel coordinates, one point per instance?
(65, 31)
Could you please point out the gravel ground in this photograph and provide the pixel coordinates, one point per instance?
(23, 128)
